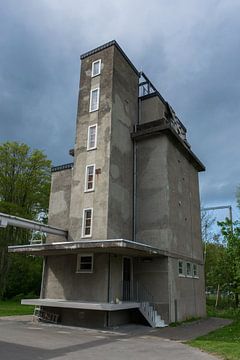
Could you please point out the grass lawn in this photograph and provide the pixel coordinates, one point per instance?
(224, 342)
(8, 308)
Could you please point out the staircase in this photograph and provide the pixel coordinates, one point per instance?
(151, 315)
(137, 292)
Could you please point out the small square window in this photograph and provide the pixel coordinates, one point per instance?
(96, 68)
(94, 100)
(84, 263)
(89, 178)
(189, 269)
(87, 223)
(92, 137)
(181, 268)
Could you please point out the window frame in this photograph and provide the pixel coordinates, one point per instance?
(83, 223)
(183, 268)
(84, 271)
(88, 137)
(191, 269)
(98, 96)
(86, 178)
(99, 69)
(195, 272)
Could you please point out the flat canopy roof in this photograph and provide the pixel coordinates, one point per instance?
(78, 304)
(116, 246)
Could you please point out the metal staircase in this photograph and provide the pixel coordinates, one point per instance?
(151, 315)
(138, 293)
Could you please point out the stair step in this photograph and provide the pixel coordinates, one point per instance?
(151, 315)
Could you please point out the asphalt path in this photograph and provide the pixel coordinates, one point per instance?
(21, 339)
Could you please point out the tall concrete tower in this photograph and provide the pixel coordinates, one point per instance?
(130, 204)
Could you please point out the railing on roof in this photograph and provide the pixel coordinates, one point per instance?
(62, 167)
(147, 88)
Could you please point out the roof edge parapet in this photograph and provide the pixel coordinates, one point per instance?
(105, 46)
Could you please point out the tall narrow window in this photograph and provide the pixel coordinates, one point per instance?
(89, 178)
(189, 269)
(87, 223)
(94, 100)
(181, 268)
(92, 137)
(96, 68)
(195, 271)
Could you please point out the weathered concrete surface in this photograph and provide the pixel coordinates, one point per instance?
(59, 202)
(97, 199)
(124, 117)
(62, 281)
(23, 340)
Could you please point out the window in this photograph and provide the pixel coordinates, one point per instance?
(84, 263)
(89, 178)
(87, 223)
(96, 68)
(180, 268)
(94, 100)
(189, 269)
(92, 137)
(195, 271)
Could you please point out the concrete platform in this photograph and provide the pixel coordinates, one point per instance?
(81, 304)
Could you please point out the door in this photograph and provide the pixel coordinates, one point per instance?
(127, 278)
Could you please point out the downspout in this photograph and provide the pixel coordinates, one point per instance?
(135, 171)
(42, 291)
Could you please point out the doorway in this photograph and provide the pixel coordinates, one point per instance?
(127, 278)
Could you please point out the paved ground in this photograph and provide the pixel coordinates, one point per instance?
(20, 339)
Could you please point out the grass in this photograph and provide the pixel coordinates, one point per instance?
(10, 308)
(225, 341)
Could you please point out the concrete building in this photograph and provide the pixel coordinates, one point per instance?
(129, 203)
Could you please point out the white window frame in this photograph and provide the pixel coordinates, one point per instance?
(191, 269)
(183, 268)
(83, 223)
(86, 178)
(98, 95)
(99, 72)
(79, 262)
(88, 137)
(196, 271)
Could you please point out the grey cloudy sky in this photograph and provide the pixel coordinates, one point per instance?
(190, 49)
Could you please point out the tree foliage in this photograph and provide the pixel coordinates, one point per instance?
(231, 234)
(24, 191)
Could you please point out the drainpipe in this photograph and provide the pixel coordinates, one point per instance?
(42, 291)
(135, 172)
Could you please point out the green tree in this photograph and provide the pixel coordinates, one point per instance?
(24, 191)
(231, 234)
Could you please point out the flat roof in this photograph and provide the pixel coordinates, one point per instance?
(105, 46)
(110, 246)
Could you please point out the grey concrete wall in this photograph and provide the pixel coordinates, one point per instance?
(62, 281)
(152, 275)
(184, 205)
(124, 116)
(59, 202)
(168, 205)
(151, 109)
(186, 294)
(153, 192)
(98, 199)
(78, 317)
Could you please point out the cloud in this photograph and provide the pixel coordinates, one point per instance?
(189, 51)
